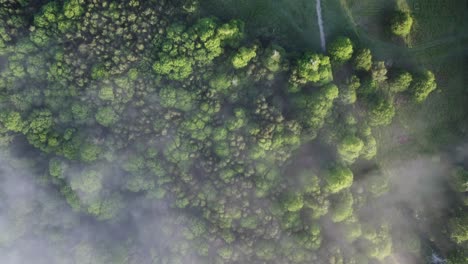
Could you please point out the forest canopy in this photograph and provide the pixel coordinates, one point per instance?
(183, 133)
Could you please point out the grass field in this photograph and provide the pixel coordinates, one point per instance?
(291, 23)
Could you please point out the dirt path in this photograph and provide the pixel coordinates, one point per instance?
(320, 23)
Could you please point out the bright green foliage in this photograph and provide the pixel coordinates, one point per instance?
(459, 229)
(338, 178)
(350, 148)
(174, 68)
(243, 57)
(369, 151)
(381, 112)
(341, 49)
(12, 121)
(401, 23)
(180, 53)
(73, 8)
(293, 202)
(363, 60)
(50, 14)
(106, 116)
(310, 68)
(423, 85)
(401, 82)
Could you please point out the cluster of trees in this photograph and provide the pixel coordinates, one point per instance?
(131, 100)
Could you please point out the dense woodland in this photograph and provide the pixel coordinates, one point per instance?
(140, 132)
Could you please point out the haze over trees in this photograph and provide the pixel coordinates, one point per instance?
(177, 136)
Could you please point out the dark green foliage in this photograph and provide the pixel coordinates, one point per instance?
(313, 108)
(381, 112)
(362, 60)
(459, 229)
(106, 116)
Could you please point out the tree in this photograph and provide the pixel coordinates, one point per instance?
(378, 242)
(243, 57)
(338, 178)
(12, 121)
(57, 168)
(460, 180)
(310, 68)
(380, 112)
(106, 116)
(459, 229)
(401, 23)
(180, 99)
(362, 60)
(89, 152)
(312, 109)
(423, 85)
(348, 94)
(106, 93)
(174, 68)
(73, 8)
(88, 182)
(379, 72)
(293, 202)
(273, 58)
(350, 148)
(400, 82)
(341, 206)
(341, 49)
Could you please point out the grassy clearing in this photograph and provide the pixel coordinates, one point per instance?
(292, 23)
(437, 43)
